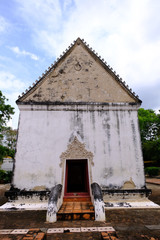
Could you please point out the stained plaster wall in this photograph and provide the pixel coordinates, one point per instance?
(79, 77)
(111, 135)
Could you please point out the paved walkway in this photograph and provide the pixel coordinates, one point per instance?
(129, 224)
(60, 233)
(153, 180)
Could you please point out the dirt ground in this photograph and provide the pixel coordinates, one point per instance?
(155, 196)
(3, 188)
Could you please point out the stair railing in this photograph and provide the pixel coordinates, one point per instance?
(54, 203)
(98, 202)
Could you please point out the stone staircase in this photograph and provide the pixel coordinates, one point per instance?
(76, 208)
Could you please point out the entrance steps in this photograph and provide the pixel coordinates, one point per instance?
(77, 199)
(76, 209)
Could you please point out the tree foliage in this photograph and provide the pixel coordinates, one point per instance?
(6, 134)
(152, 171)
(9, 137)
(5, 176)
(149, 122)
(5, 151)
(5, 110)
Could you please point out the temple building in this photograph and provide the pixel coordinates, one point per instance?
(78, 125)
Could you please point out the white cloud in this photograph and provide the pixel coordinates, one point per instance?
(11, 88)
(3, 24)
(120, 31)
(125, 33)
(107, 25)
(8, 82)
(43, 14)
(23, 53)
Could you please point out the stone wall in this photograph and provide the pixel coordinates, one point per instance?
(7, 164)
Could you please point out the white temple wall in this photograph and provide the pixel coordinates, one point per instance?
(110, 133)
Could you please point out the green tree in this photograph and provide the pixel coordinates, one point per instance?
(5, 151)
(149, 122)
(5, 115)
(9, 137)
(5, 110)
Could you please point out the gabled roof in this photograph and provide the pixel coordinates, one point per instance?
(79, 75)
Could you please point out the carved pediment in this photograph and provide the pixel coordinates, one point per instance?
(79, 76)
(76, 150)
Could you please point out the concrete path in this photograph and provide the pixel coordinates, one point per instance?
(153, 180)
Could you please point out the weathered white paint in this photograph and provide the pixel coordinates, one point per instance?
(144, 203)
(92, 81)
(53, 207)
(52, 213)
(99, 210)
(110, 132)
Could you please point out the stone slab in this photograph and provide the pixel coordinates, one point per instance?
(24, 206)
(105, 229)
(6, 231)
(20, 231)
(55, 230)
(131, 204)
(89, 229)
(153, 227)
(109, 205)
(73, 229)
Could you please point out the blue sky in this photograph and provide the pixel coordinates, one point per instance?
(126, 33)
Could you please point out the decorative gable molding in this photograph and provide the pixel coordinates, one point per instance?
(62, 56)
(76, 150)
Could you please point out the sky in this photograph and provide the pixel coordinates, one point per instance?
(126, 33)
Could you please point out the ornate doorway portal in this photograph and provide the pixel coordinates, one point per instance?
(76, 164)
(76, 180)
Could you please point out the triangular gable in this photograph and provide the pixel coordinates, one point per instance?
(79, 76)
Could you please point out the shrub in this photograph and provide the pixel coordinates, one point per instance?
(152, 171)
(2, 175)
(5, 151)
(5, 176)
(8, 177)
